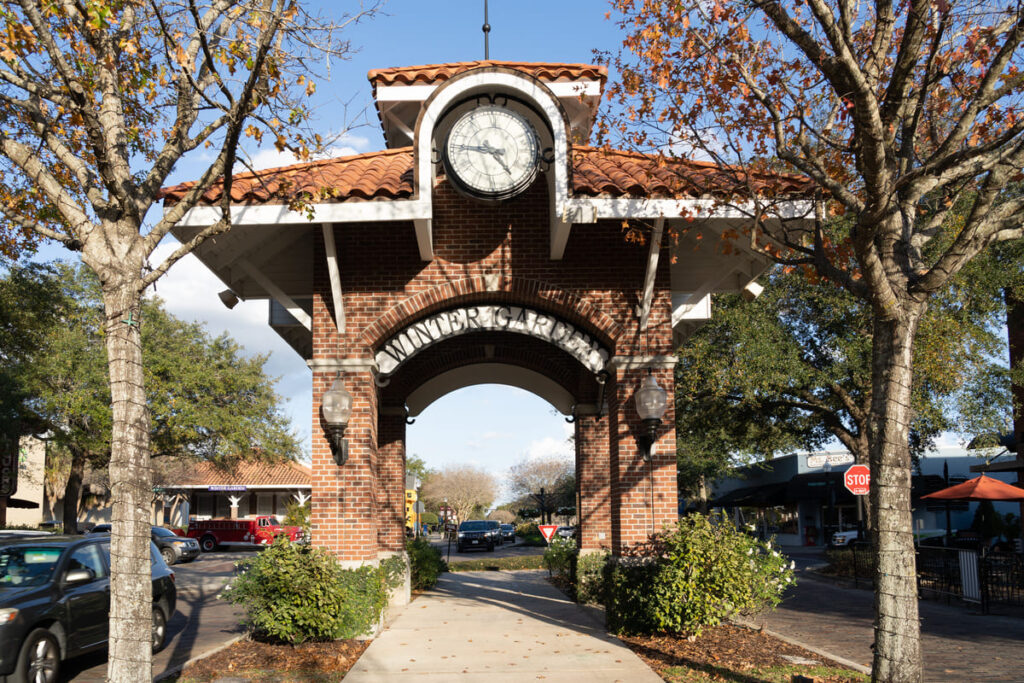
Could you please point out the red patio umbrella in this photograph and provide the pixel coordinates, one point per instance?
(979, 488)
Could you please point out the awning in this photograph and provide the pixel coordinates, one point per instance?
(21, 503)
(814, 486)
(763, 496)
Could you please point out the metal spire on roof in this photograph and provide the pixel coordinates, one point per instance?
(487, 31)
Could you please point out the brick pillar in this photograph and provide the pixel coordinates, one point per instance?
(593, 482)
(644, 494)
(345, 498)
(391, 454)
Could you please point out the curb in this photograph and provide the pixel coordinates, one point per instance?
(174, 671)
(799, 643)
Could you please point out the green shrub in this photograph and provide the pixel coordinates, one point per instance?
(851, 562)
(425, 563)
(558, 557)
(589, 577)
(294, 592)
(297, 515)
(691, 576)
(527, 529)
(428, 518)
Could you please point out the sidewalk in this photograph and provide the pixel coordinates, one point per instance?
(497, 626)
(957, 644)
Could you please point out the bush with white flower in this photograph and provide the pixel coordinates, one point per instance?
(694, 575)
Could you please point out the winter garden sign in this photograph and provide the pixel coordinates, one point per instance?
(487, 318)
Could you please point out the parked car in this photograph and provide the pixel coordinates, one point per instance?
(55, 600)
(565, 531)
(508, 533)
(172, 547)
(475, 534)
(841, 539)
(494, 528)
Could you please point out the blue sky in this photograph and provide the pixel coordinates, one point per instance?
(490, 426)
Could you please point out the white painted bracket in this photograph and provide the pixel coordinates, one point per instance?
(425, 237)
(653, 255)
(335, 275)
(277, 293)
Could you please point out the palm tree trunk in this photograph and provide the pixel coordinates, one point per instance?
(897, 628)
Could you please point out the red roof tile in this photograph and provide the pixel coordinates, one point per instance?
(290, 474)
(389, 175)
(429, 74)
(377, 175)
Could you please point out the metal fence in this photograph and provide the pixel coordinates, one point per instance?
(987, 579)
(990, 580)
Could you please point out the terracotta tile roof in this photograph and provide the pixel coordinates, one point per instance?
(377, 175)
(245, 474)
(389, 175)
(611, 173)
(430, 74)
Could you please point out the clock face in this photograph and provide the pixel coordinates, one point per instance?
(492, 152)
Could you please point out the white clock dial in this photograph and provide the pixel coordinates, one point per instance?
(492, 152)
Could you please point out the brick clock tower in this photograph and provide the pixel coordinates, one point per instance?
(486, 244)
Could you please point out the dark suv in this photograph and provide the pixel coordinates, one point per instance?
(173, 547)
(55, 602)
(475, 534)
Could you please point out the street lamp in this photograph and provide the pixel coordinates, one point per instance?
(336, 408)
(651, 402)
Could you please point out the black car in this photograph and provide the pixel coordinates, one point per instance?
(173, 547)
(475, 534)
(495, 529)
(55, 602)
(508, 533)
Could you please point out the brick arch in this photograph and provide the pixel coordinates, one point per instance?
(515, 290)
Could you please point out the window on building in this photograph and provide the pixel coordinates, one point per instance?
(265, 503)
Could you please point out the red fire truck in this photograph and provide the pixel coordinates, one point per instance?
(262, 530)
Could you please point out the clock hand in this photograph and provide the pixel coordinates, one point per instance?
(474, 148)
(496, 152)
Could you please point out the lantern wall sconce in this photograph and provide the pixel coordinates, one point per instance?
(336, 409)
(651, 403)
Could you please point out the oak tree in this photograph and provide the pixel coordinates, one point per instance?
(99, 100)
(206, 399)
(903, 117)
(466, 489)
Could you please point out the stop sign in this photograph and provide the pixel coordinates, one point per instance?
(857, 479)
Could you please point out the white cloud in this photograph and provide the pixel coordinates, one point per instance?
(189, 291)
(345, 145)
(548, 447)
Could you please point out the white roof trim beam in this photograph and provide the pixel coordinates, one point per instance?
(331, 251)
(420, 93)
(653, 254)
(277, 293)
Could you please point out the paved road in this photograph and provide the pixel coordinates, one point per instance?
(957, 644)
(493, 627)
(201, 622)
(451, 554)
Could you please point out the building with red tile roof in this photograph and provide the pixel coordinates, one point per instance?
(488, 243)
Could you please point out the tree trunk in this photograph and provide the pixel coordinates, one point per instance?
(897, 628)
(73, 490)
(131, 601)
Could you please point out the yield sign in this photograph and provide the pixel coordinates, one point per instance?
(857, 480)
(548, 530)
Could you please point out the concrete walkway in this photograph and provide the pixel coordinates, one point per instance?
(497, 626)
